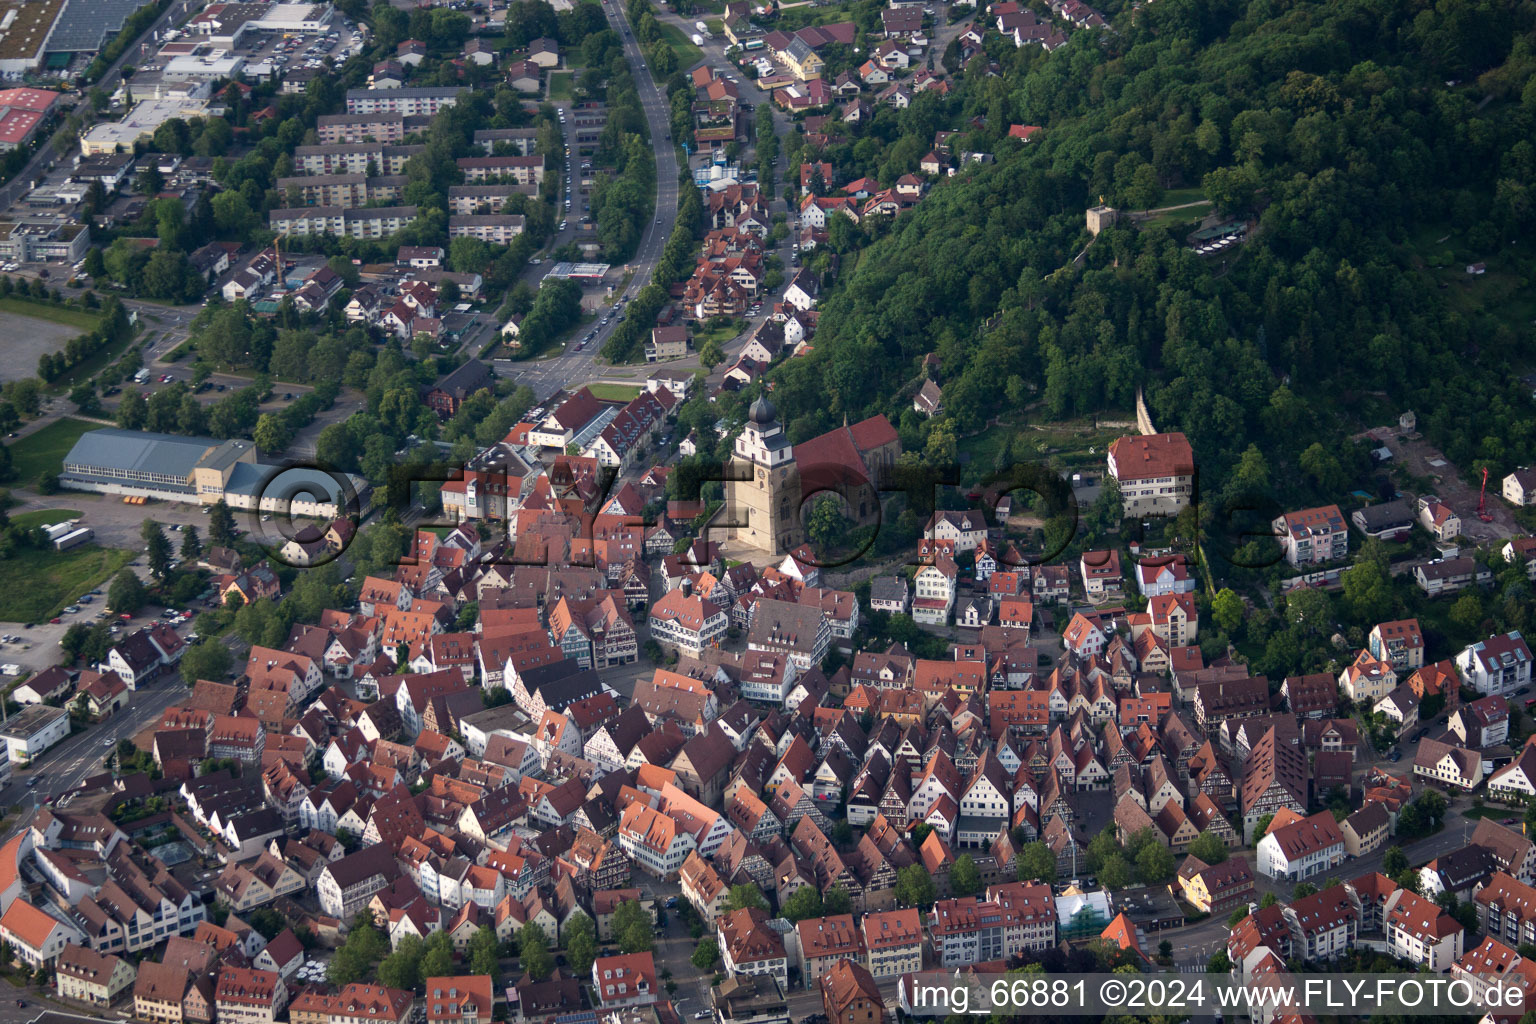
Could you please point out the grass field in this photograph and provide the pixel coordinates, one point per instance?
(44, 450)
(36, 584)
(719, 334)
(1187, 215)
(613, 392)
(561, 84)
(1179, 196)
(83, 319)
(687, 54)
(44, 517)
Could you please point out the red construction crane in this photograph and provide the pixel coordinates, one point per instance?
(1482, 500)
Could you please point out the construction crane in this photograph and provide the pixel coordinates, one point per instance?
(282, 268)
(1482, 500)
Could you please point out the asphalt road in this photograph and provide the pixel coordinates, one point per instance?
(63, 767)
(546, 376)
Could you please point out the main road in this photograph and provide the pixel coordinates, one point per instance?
(546, 376)
(66, 765)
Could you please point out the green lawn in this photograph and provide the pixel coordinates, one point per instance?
(84, 319)
(1184, 216)
(36, 584)
(1178, 196)
(45, 449)
(44, 517)
(613, 392)
(687, 54)
(719, 334)
(561, 84)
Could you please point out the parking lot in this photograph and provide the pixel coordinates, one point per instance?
(270, 52)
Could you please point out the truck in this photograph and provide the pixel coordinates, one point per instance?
(702, 28)
(698, 40)
(142, 376)
(73, 538)
(57, 530)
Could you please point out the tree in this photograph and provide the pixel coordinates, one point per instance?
(206, 659)
(1219, 963)
(827, 526)
(438, 959)
(271, 434)
(964, 878)
(126, 594)
(74, 639)
(157, 549)
(837, 901)
(1101, 848)
(1227, 610)
(533, 945)
(1323, 467)
(1208, 847)
(705, 955)
(1303, 890)
(581, 944)
(1236, 917)
(803, 903)
(1261, 827)
(711, 354)
(221, 525)
(132, 411)
(633, 927)
(191, 546)
(1036, 863)
(484, 957)
(1115, 872)
(743, 896)
(1394, 861)
(364, 948)
(1467, 612)
(1154, 863)
(914, 886)
(402, 968)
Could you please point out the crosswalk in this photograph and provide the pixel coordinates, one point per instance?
(1193, 968)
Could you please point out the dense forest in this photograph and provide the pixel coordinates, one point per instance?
(1373, 145)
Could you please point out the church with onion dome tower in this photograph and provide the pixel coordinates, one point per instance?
(771, 479)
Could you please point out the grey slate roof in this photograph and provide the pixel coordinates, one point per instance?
(138, 452)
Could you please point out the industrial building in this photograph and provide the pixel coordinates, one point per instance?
(203, 471)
